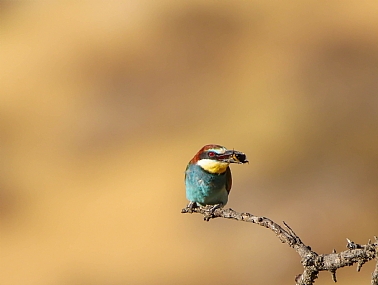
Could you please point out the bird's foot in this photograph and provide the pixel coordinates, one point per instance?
(189, 208)
(209, 214)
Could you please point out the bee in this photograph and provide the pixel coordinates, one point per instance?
(239, 156)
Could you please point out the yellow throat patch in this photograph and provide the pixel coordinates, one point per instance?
(213, 166)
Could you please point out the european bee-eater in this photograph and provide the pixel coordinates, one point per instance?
(208, 176)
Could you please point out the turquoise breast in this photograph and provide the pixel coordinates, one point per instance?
(205, 188)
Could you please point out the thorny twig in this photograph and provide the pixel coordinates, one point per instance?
(312, 262)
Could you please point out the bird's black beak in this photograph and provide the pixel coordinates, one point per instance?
(234, 156)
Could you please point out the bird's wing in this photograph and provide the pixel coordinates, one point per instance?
(186, 169)
(228, 179)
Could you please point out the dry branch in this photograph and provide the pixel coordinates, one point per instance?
(312, 262)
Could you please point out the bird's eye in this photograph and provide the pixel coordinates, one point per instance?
(211, 154)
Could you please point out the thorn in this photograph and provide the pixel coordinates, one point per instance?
(298, 277)
(359, 265)
(333, 273)
(351, 244)
(290, 229)
(206, 218)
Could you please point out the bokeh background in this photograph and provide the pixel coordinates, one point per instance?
(103, 104)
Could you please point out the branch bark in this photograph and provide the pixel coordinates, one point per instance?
(312, 262)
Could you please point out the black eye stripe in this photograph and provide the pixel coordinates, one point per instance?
(222, 156)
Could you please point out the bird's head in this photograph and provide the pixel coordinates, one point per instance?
(215, 158)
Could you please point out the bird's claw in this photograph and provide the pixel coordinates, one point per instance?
(209, 214)
(189, 208)
(209, 209)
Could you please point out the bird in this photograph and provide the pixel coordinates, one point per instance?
(208, 177)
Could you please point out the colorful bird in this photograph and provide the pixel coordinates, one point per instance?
(208, 176)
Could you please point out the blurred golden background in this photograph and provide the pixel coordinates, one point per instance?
(103, 104)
